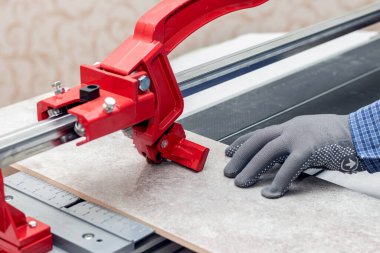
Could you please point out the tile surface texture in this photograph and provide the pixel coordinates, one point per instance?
(205, 211)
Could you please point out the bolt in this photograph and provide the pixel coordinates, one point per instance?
(164, 143)
(68, 137)
(54, 112)
(109, 104)
(88, 236)
(79, 129)
(32, 224)
(8, 198)
(58, 87)
(144, 83)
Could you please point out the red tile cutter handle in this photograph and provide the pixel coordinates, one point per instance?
(138, 76)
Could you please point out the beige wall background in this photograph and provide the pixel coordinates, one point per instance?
(42, 41)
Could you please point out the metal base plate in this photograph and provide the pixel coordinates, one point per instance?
(80, 226)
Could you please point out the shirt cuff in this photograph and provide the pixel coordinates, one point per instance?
(365, 132)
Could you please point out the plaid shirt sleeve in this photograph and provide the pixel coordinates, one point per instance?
(365, 131)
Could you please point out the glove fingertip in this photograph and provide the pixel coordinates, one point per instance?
(230, 174)
(271, 193)
(230, 171)
(242, 182)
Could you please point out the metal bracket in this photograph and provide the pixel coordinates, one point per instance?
(20, 234)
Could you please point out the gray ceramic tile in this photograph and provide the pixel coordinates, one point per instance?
(205, 211)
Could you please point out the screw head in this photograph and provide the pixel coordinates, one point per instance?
(144, 83)
(8, 198)
(88, 236)
(58, 87)
(56, 84)
(32, 224)
(164, 143)
(109, 104)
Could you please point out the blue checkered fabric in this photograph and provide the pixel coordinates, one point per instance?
(365, 130)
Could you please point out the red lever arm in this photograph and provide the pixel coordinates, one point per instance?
(152, 112)
(172, 21)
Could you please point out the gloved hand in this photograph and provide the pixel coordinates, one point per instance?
(318, 141)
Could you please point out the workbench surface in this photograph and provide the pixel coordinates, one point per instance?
(204, 211)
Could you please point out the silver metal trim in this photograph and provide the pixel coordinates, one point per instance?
(35, 139)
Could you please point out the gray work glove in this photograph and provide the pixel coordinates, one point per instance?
(318, 141)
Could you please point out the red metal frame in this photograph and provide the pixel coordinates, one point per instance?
(150, 113)
(16, 235)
